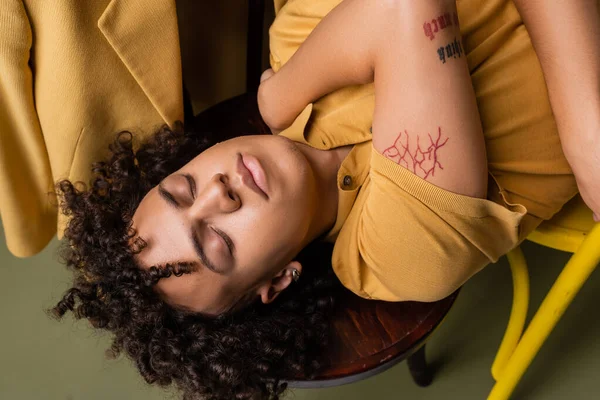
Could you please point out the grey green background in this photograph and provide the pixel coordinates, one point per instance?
(41, 358)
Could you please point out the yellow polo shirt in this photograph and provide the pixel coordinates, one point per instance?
(399, 237)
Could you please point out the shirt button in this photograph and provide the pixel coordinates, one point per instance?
(347, 180)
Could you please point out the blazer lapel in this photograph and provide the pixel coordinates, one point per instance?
(145, 35)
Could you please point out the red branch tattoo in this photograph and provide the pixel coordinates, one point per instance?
(421, 162)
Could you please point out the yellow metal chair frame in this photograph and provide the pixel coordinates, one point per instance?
(572, 230)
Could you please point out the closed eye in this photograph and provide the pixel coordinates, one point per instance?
(191, 184)
(168, 197)
(201, 254)
(226, 238)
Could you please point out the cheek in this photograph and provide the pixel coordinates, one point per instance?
(270, 235)
(280, 222)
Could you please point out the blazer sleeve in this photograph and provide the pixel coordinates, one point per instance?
(27, 205)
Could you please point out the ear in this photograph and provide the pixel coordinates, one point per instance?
(269, 290)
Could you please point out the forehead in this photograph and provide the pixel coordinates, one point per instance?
(198, 291)
(168, 242)
(163, 230)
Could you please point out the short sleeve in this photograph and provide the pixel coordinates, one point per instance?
(407, 239)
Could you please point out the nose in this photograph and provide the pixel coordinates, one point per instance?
(216, 197)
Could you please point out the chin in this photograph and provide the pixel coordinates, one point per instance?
(297, 158)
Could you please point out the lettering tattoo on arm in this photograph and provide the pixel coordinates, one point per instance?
(422, 162)
(453, 49)
(440, 23)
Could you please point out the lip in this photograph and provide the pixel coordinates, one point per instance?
(253, 174)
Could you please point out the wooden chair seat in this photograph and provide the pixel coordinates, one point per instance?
(368, 336)
(371, 336)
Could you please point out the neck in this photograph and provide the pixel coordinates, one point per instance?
(325, 165)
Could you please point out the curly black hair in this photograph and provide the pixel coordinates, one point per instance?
(246, 354)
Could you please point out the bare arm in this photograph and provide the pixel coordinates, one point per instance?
(338, 53)
(426, 118)
(566, 38)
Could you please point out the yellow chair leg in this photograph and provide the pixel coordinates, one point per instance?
(518, 314)
(574, 274)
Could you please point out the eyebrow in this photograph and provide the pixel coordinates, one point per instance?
(168, 197)
(201, 254)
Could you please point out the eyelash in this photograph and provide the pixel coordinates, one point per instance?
(232, 197)
(221, 238)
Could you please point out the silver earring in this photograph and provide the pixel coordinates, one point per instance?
(295, 275)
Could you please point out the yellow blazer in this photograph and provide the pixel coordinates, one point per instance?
(73, 73)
